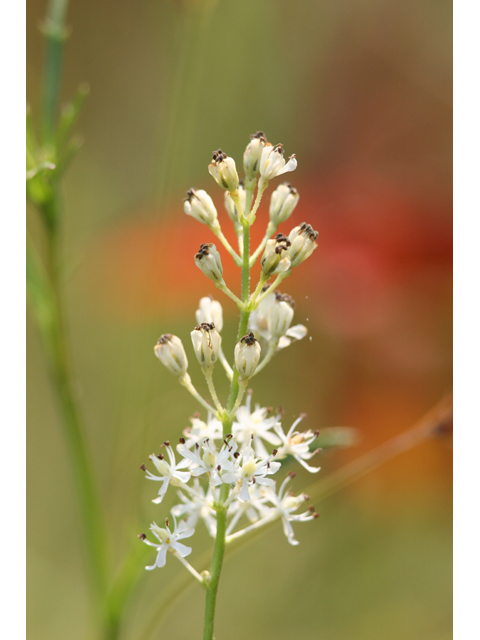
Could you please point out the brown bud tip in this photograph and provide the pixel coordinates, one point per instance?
(142, 536)
(182, 440)
(292, 474)
(143, 467)
(306, 497)
(167, 443)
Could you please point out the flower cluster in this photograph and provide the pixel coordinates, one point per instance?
(224, 469)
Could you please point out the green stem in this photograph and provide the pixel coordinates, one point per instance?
(55, 35)
(90, 508)
(219, 547)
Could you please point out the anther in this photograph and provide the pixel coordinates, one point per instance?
(142, 536)
(182, 440)
(274, 452)
(292, 474)
(306, 497)
(160, 456)
(166, 522)
(143, 467)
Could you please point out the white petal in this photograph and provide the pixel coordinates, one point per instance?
(162, 556)
(182, 549)
(297, 332)
(244, 494)
(290, 166)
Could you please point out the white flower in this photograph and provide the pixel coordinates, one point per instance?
(208, 260)
(297, 444)
(254, 426)
(263, 319)
(253, 154)
(200, 430)
(275, 258)
(199, 205)
(230, 205)
(195, 507)
(204, 458)
(206, 344)
(223, 170)
(302, 243)
(250, 470)
(282, 203)
(254, 509)
(272, 162)
(210, 310)
(169, 350)
(168, 541)
(283, 506)
(280, 315)
(247, 356)
(169, 471)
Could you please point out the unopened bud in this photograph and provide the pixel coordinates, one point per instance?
(253, 154)
(208, 260)
(223, 170)
(199, 205)
(280, 316)
(230, 205)
(210, 310)
(282, 203)
(206, 343)
(247, 356)
(169, 350)
(275, 258)
(302, 239)
(272, 162)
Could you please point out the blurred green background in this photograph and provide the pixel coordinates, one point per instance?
(361, 92)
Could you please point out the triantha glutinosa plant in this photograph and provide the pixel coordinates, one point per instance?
(226, 468)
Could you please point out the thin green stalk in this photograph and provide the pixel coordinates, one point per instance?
(219, 547)
(55, 35)
(90, 508)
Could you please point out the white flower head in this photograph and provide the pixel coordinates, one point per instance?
(204, 458)
(197, 506)
(230, 205)
(272, 318)
(206, 343)
(280, 315)
(302, 243)
(223, 170)
(169, 350)
(199, 205)
(170, 472)
(250, 470)
(200, 430)
(210, 310)
(275, 257)
(168, 541)
(272, 162)
(253, 155)
(297, 444)
(284, 504)
(255, 427)
(282, 203)
(247, 356)
(209, 262)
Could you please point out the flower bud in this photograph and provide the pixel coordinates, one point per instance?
(206, 343)
(210, 310)
(199, 205)
(230, 205)
(302, 239)
(223, 169)
(275, 259)
(169, 350)
(247, 356)
(272, 162)
(253, 154)
(280, 315)
(208, 260)
(282, 203)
